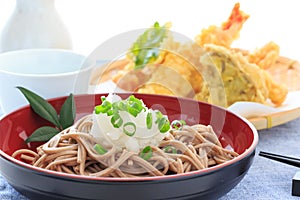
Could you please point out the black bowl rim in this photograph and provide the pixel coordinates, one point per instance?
(75, 177)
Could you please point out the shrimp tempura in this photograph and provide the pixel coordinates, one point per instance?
(227, 33)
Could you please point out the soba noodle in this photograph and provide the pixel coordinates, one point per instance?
(72, 151)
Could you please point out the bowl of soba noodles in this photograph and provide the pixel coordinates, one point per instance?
(128, 146)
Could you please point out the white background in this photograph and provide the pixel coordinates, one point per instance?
(91, 22)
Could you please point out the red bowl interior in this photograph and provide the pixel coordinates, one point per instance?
(231, 129)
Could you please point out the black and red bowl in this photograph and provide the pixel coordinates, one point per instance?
(210, 183)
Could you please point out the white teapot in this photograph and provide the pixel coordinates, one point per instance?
(34, 24)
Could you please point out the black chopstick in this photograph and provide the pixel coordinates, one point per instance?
(284, 159)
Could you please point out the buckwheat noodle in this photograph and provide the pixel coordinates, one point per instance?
(72, 151)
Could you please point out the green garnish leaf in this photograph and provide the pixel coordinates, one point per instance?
(67, 112)
(146, 153)
(45, 110)
(42, 134)
(101, 150)
(41, 106)
(129, 128)
(146, 50)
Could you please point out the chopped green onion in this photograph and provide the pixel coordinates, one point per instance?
(132, 98)
(149, 120)
(129, 128)
(103, 108)
(101, 150)
(111, 112)
(162, 122)
(116, 120)
(103, 98)
(163, 125)
(159, 115)
(98, 109)
(133, 111)
(170, 149)
(133, 106)
(177, 124)
(146, 153)
(114, 106)
(122, 105)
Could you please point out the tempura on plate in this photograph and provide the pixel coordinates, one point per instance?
(242, 81)
(206, 69)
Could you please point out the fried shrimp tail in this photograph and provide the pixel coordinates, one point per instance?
(227, 33)
(277, 92)
(236, 19)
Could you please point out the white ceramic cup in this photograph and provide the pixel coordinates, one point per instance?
(47, 72)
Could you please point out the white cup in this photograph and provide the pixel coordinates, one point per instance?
(47, 72)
